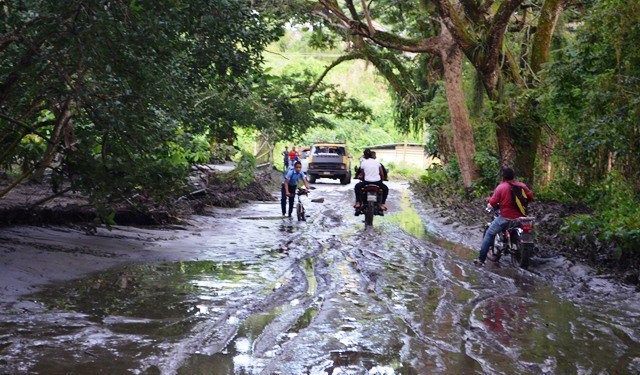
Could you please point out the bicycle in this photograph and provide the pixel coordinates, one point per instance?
(300, 213)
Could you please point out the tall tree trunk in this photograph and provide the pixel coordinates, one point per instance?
(463, 141)
(526, 149)
(546, 151)
(505, 142)
(63, 118)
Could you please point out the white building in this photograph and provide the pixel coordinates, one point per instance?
(410, 154)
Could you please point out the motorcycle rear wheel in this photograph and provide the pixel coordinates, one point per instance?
(520, 255)
(368, 214)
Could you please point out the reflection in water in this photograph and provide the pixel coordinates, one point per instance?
(116, 318)
(237, 357)
(389, 299)
(410, 221)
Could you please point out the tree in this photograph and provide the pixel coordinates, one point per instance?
(360, 21)
(591, 95)
(480, 33)
(111, 96)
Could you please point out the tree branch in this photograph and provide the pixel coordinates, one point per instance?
(458, 27)
(26, 127)
(541, 44)
(338, 61)
(495, 34)
(382, 38)
(352, 10)
(367, 15)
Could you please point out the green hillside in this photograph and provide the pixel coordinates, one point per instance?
(357, 78)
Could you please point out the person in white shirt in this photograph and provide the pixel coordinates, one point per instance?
(372, 173)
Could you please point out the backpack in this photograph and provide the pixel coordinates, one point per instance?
(520, 199)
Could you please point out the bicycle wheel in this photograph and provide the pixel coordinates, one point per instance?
(300, 212)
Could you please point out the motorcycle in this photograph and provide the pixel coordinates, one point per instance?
(516, 240)
(371, 198)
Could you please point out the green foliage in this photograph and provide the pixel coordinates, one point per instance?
(221, 152)
(142, 83)
(488, 167)
(616, 217)
(442, 176)
(435, 176)
(593, 90)
(355, 78)
(402, 171)
(563, 190)
(245, 167)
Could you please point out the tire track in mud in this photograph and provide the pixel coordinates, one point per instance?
(335, 297)
(451, 316)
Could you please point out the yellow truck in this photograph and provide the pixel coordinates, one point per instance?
(329, 160)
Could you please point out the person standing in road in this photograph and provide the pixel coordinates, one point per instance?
(285, 158)
(292, 179)
(502, 198)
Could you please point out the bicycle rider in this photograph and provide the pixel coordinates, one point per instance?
(293, 178)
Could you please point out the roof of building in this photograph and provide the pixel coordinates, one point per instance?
(394, 145)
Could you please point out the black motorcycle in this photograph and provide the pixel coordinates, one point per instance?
(516, 240)
(371, 198)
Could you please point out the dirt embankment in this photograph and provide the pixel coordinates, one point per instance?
(37, 204)
(550, 239)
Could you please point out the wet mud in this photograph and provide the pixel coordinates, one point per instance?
(254, 293)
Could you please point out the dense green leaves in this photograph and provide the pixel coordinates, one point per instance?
(120, 97)
(593, 94)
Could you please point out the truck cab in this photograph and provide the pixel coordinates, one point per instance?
(329, 160)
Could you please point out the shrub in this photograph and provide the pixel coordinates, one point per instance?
(616, 217)
(402, 171)
(562, 190)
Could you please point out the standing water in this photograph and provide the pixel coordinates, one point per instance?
(326, 296)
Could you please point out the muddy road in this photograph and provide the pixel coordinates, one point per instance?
(253, 293)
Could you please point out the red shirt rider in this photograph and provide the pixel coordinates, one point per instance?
(502, 197)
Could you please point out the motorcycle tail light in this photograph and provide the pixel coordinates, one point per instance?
(527, 227)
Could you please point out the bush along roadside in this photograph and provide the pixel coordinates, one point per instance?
(599, 225)
(205, 187)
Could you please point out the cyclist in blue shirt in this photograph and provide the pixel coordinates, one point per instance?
(292, 179)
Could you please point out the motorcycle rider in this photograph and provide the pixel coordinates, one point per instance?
(292, 179)
(372, 173)
(384, 175)
(502, 198)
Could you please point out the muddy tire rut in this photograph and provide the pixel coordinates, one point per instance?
(270, 295)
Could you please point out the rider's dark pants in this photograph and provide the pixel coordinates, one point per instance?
(361, 184)
(283, 199)
(497, 225)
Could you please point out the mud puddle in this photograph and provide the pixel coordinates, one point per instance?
(325, 296)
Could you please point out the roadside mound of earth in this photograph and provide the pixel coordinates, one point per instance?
(36, 204)
(550, 240)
